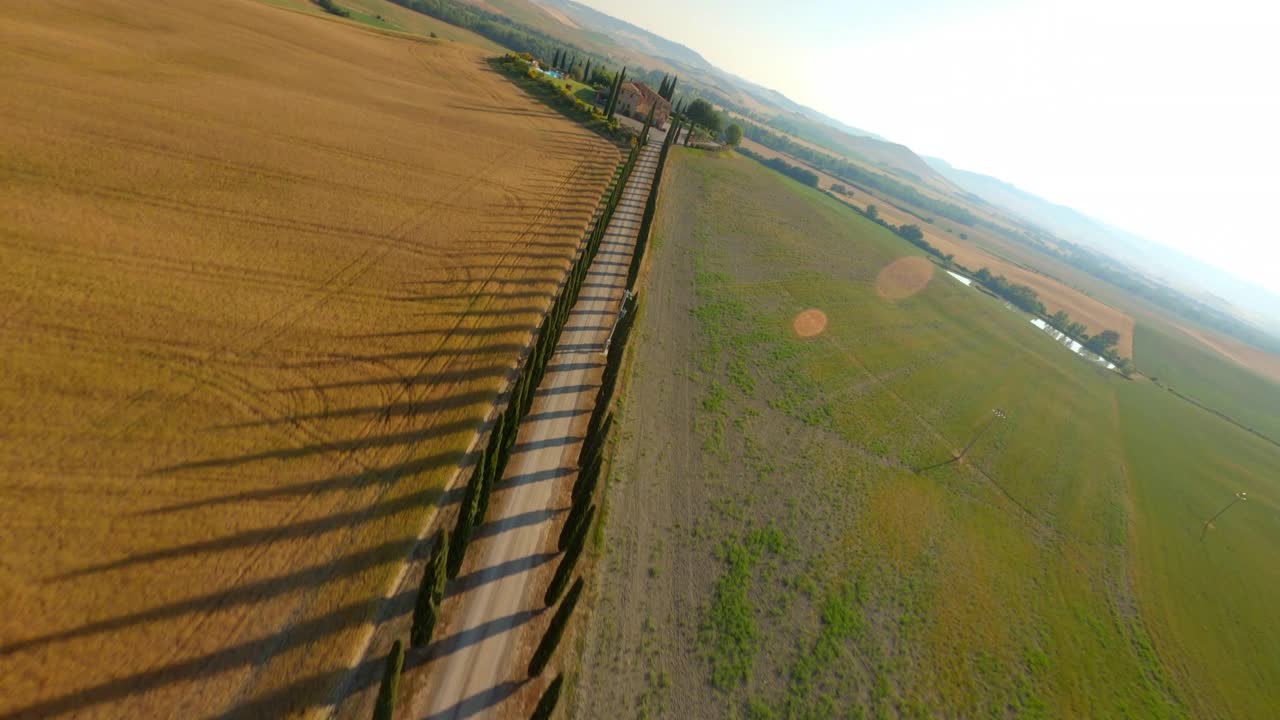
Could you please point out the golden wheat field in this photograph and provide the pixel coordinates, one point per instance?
(262, 274)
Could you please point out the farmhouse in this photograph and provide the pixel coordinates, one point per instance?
(635, 99)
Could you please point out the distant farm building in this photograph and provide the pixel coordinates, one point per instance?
(635, 99)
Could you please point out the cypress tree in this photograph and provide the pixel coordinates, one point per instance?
(497, 441)
(590, 465)
(671, 88)
(648, 122)
(466, 521)
(531, 384)
(581, 506)
(587, 481)
(385, 707)
(430, 593)
(597, 432)
(565, 569)
(547, 703)
(555, 631)
(613, 97)
(482, 498)
(438, 567)
(586, 74)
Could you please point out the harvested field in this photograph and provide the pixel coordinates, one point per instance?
(264, 274)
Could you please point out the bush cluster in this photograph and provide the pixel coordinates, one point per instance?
(558, 95)
(329, 7)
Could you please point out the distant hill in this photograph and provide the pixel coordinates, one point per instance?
(649, 56)
(695, 69)
(1204, 282)
(625, 33)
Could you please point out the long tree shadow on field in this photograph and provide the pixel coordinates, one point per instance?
(393, 435)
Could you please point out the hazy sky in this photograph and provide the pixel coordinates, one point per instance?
(1159, 117)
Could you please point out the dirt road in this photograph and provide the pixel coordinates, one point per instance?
(493, 613)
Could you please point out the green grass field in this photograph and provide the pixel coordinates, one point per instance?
(389, 16)
(1055, 572)
(1212, 380)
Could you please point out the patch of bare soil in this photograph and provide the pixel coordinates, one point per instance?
(904, 277)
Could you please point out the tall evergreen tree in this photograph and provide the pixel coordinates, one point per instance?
(555, 631)
(577, 513)
(466, 521)
(617, 87)
(565, 569)
(586, 74)
(671, 87)
(385, 706)
(547, 703)
(597, 433)
(648, 122)
(430, 593)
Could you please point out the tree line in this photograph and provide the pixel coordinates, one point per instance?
(651, 206)
(795, 172)
(450, 546)
(1020, 296)
(329, 7)
(858, 175)
(498, 28)
(1104, 344)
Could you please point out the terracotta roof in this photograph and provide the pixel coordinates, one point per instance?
(648, 93)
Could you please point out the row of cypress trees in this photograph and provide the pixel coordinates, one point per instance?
(668, 88)
(573, 535)
(577, 526)
(493, 461)
(651, 206)
(449, 548)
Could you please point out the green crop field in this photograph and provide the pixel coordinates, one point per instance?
(840, 562)
(1210, 379)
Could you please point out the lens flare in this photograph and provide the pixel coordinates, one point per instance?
(903, 278)
(810, 323)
